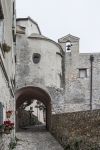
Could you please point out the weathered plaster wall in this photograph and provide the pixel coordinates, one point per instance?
(1, 31)
(57, 97)
(6, 25)
(7, 67)
(46, 74)
(78, 89)
(8, 104)
(30, 27)
(96, 81)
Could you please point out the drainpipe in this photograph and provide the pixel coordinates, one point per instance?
(91, 79)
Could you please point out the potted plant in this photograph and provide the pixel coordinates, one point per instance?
(5, 47)
(8, 126)
(8, 113)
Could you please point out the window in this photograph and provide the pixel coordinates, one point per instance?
(83, 73)
(36, 58)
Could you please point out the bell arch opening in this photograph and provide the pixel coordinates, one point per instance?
(30, 94)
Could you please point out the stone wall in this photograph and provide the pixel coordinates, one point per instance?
(24, 119)
(84, 126)
(30, 25)
(57, 97)
(45, 72)
(78, 88)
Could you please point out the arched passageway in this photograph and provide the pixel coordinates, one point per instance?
(34, 93)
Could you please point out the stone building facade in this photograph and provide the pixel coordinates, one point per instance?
(42, 69)
(82, 79)
(7, 66)
(70, 78)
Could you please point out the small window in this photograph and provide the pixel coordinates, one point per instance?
(83, 73)
(36, 58)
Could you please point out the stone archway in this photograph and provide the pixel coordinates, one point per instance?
(27, 93)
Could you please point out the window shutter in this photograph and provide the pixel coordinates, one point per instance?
(1, 113)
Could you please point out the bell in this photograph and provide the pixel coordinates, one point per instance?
(68, 47)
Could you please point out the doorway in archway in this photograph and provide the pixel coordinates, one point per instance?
(33, 107)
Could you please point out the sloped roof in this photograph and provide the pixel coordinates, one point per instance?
(68, 37)
(29, 18)
(38, 36)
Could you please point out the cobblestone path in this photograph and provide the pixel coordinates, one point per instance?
(36, 139)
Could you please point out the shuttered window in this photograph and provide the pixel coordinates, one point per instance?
(1, 113)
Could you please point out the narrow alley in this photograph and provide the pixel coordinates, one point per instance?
(36, 139)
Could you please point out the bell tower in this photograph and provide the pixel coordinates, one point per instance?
(70, 44)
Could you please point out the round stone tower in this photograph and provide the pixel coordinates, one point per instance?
(38, 62)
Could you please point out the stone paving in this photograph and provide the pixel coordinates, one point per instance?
(36, 139)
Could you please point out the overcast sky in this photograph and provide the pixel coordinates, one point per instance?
(57, 18)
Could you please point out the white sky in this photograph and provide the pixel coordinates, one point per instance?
(57, 18)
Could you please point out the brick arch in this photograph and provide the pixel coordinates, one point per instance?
(28, 93)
